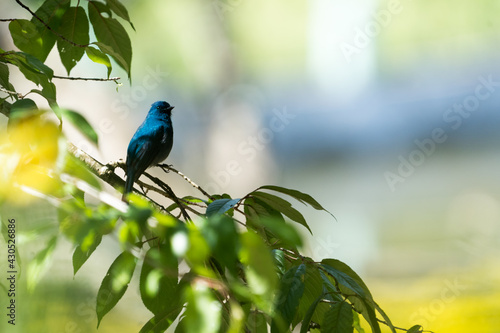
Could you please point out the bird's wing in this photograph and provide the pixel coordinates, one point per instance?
(145, 148)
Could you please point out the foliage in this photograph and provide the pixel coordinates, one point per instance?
(242, 267)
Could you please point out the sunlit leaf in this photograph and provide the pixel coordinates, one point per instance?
(222, 237)
(99, 57)
(39, 265)
(203, 310)
(73, 166)
(80, 255)
(158, 280)
(114, 284)
(50, 12)
(259, 269)
(80, 123)
(26, 37)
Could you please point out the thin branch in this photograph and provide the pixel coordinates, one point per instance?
(19, 95)
(7, 20)
(167, 168)
(47, 26)
(171, 195)
(115, 79)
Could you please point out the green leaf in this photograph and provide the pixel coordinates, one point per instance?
(308, 316)
(38, 66)
(282, 206)
(119, 9)
(40, 264)
(159, 279)
(73, 166)
(37, 72)
(80, 255)
(4, 79)
(343, 278)
(302, 197)
(415, 329)
(80, 123)
(203, 312)
(338, 319)
(50, 12)
(160, 323)
(5, 107)
(313, 288)
(279, 261)
(283, 231)
(112, 37)
(114, 284)
(99, 58)
(356, 322)
(369, 302)
(23, 108)
(220, 206)
(363, 302)
(26, 37)
(222, 237)
(256, 322)
(290, 292)
(259, 269)
(74, 27)
(237, 321)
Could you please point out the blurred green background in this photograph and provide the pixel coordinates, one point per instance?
(324, 96)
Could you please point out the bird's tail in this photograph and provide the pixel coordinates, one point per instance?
(129, 184)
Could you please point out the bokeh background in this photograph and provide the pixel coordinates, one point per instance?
(387, 112)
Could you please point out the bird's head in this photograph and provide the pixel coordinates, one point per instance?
(161, 107)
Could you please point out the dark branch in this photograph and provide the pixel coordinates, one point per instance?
(167, 168)
(115, 79)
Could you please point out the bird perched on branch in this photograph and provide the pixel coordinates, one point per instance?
(151, 143)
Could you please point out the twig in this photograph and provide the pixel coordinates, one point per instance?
(115, 79)
(166, 167)
(171, 195)
(7, 20)
(19, 95)
(47, 26)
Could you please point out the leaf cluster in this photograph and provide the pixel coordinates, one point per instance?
(235, 267)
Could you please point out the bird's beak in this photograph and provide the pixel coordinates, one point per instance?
(170, 108)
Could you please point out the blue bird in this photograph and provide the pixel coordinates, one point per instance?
(151, 143)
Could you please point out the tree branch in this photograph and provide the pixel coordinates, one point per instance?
(115, 79)
(167, 168)
(105, 172)
(19, 95)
